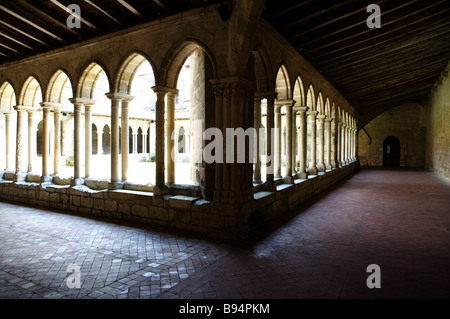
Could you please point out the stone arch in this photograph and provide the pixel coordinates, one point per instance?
(282, 83)
(299, 92)
(327, 107)
(7, 96)
(177, 56)
(319, 105)
(127, 71)
(58, 87)
(89, 78)
(310, 98)
(181, 140)
(31, 93)
(262, 70)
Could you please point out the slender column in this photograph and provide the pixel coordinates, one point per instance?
(344, 144)
(46, 143)
(312, 167)
(125, 138)
(78, 106)
(31, 139)
(328, 165)
(270, 151)
(289, 151)
(56, 158)
(320, 130)
(170, 136)
(257, 120)
(340, 144)
(20, 174)
(294, 142)
(160, 187)
(88, 139)
(347, 144)
(335, 144)
(9, 145)
(302, 173)
(278, 134)
(115, 158)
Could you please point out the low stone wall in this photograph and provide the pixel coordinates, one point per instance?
(189, 213)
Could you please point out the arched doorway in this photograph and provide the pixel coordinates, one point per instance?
(391, 152)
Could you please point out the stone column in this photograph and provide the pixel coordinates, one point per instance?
(8, 135)
(31, 139)
(335, 144)
(340, 140)
(312, 167)
(125, 137)
(320, 130)
(289, 150)
(160, 187)
(115, 158)
(45, 178)
(88, 139)
(20, 174)
(344, 144)
(347, 144)
(56, 158)
(328, 165)
(257, 120)
(170, 136)
(278, 134)
(270, 138)
(78, 107)
(294, 142)
(302, 173)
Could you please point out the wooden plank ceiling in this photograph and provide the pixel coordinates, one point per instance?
(374, 69)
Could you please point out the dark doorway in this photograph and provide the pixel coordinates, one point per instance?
(391, 152)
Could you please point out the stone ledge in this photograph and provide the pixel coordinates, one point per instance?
(183, 202)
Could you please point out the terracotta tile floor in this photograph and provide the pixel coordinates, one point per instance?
(399, 220)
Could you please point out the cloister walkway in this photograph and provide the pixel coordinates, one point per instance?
(397, 219)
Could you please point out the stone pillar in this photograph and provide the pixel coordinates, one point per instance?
(257, 120)
(125, 137)
(78, 106)
(31, 140)
(328, 163)
(335, 144)
(320, 131)
(170, 136)
(344, 144)
(88, 139)
(9, 152)
(340, 145)
(20, 174)
(302, 173)
(294, 142)
(115, 158)
(347, 144)
(160, 187)
(56, 158)
(270, 138)
(278, 134)
(313, 165)
(289, 138)
(45, 178)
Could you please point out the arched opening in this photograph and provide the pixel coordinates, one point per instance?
(311, 103)
(106, 138)
(391, 152)
(181, 141)
(7, 126)
(139, 141)
(94, 140)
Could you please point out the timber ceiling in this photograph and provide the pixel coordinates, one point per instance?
(374, 69)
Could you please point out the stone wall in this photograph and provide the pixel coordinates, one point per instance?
(407, 123)
(438, 130)
(183, 209)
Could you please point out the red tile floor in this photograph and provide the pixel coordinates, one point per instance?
(399, 220)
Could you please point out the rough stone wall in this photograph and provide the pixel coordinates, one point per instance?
(438, 130)
(407, 123)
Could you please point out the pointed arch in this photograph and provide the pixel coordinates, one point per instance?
(31, 93)
(89, 78)
(299, 92)
(262, 70)
(327, 107)
(282, 83)
(320, 105)
(310, 98)
(7, 96)
(59, 88)
(128, 71)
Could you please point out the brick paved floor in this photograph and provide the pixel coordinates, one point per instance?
(399, 220)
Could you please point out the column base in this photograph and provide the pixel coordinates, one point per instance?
(288, 180)
(321, 167)
(20, 177)
(303, 175)
(334, 165)
(161, 190)
(328, 167)
(115, 185)
(312, 170)
(46, 179)
(76, 182)
(268, 186)
(257, 182)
